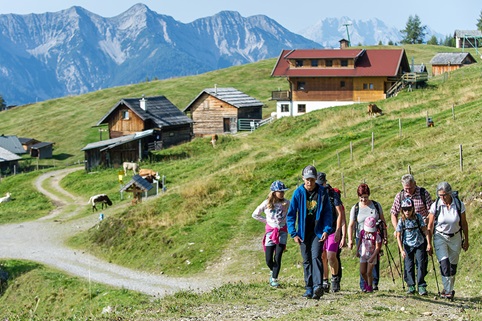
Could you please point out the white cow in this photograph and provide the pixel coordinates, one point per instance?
(6, 198)
(130, 165)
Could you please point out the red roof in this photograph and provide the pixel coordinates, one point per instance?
(368, 63)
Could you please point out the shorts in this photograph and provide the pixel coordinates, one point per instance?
(364, 259)
(330, 245)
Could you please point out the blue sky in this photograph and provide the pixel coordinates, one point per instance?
(443, 17)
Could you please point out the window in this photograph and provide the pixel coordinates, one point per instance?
(344, 63)
(299, 63)
(314, 63)
(371, 86)
(301, 108)
(285, 108)
(125, 114)
(342, 84)
(329, 63)
(301, 85)
(368, 86)
(206, 104)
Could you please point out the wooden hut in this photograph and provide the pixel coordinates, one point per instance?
(223, 110)
(450, 61)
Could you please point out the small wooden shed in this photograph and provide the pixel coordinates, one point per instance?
(8, 160)
(137, 185)
(450, 61)
(42, 150)
(223, 110)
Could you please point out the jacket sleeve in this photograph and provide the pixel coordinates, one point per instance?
(292, 214)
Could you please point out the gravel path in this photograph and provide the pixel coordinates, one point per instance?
(43, 241)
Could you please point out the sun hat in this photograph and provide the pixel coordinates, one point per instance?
(407, 203)
(321, 179)
(278, 186)
(309, 172)
(370, 224)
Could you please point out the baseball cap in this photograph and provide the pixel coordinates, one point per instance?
(321, 179)
(278, 186)
(370, 224)
(407, 203)
(309, 172)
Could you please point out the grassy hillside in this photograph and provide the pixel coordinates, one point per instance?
(202, 224)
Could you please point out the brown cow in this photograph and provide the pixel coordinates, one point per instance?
(373, 109)
(214, 139)
(145, 172)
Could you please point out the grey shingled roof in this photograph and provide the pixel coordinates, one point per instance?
(468, 33)
(110, 143)
(230, 96)
(6, 156)
(138, 181)
(453, 58)
(41, 145)
(158, 109)
(12, 144)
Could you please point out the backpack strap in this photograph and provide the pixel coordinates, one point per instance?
(458, 208)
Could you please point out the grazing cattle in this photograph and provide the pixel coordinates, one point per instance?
(130, 165)
(149, 172)
(6, 198)
(214, 139)
(101, 198)
(373, 109)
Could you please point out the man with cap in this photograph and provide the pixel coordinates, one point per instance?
(309, 222)
(336, 240)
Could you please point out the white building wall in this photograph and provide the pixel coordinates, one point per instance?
(310, 106)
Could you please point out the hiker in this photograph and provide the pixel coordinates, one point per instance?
(411, 231)
(420, 196)
(369, 246)
(448, 225)
(275, 208)
(336, 240)
(309, 223)
(358, 213)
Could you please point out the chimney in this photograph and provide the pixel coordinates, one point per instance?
(215, 89)
(143, 103)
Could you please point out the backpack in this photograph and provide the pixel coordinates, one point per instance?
(380, 225)
(458, 206)
(422, 195)
(419, 226)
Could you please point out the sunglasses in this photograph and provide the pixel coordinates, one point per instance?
(406, 209)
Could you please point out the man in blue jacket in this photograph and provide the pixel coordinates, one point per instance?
(309, 222)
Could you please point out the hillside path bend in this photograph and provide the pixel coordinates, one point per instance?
(43, 240)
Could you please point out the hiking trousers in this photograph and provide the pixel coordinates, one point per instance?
(311, 249)
(448, 250)
(416, 258)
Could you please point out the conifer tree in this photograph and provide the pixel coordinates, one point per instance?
(414, 31)
(479, 21)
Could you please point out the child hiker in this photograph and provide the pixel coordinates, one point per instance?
(275, 208)
(369, 247)
(411, 236)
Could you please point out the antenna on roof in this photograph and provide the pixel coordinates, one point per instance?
(347, 33)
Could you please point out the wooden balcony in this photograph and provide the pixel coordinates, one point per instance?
(281, 95)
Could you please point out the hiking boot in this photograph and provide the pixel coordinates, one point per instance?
(411, 289)
(375, 287)
(447, 295)
(308, 294)
(326, 285)
(422, 290)
(369, 289)
(273, 282)
(335, 284)
(318, 293)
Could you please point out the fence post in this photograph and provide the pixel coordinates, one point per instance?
(453, 111)
(400, 127)
(351, 151)
(373, 141)
(409, 170)
(338, 156)
(343, 184)
(461, 158)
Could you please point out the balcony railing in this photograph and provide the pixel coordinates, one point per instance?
(281, 95)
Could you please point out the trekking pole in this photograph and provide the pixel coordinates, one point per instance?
(435, 271)
(390, 264)
(400, 258)
(390, 256)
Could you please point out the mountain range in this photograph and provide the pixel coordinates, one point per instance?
(74, 51)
